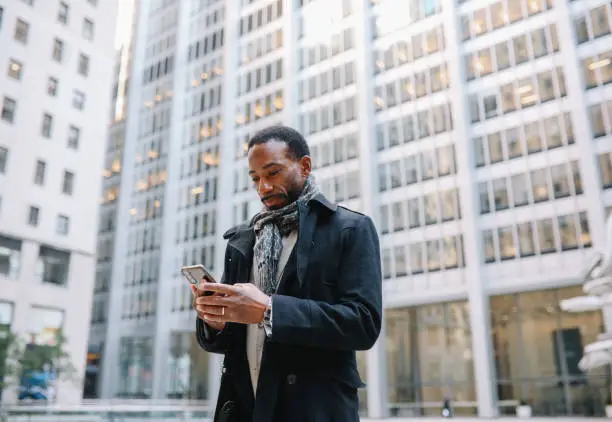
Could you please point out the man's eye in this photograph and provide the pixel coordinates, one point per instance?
(255, 180)
(274, 172)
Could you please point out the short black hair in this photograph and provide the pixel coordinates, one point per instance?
(298, 147)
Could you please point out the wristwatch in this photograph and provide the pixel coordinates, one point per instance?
(267, 320)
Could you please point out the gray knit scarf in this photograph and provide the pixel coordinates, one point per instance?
(270, 227)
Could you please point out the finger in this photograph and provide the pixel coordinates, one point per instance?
(226, 301)
(211, 310)
(218, 288)
(194, 290)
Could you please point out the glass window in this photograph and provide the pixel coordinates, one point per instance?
(502, 54)
(599, 21)
(521, 52)
(514, 143)
(539, 185)
(450, 252)
(605, 170)
(546, 236)
(568, 232)
(400, 261)
(10, 257)
(585, 232)
(520, 190)
(560, 181)
(496, 153)
(416, 258)
(598, 127)
(479, 151)
(431, 209)
(483, 189)
(507, 249)
(489, 246)
(433, 255)
(546, 86)
(532, 136)
(500, 194)
(414, 212)
(508, 98)
(384, 219)
(525, 236)
(397, 214)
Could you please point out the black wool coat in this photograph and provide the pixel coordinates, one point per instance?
(328, 305)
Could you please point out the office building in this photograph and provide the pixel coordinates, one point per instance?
(476, 134)
(56, 66)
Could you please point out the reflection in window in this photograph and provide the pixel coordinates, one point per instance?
(429, 354)
(53, 266)
(500, 194)
(10, 257)
(546, 236)
(416, 258)
(568, 232)
(526, 244)
(506, 243)
(433, 255)
(520, 190)
(539, 185)
(537, 348)
(489, 246)
(605, 170)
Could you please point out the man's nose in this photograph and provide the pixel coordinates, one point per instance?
(264, 187)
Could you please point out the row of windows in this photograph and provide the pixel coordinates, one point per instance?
(414, 48)
(63, 17)
(500, 14)
(40, 174)
(155, 121)
(261, 46)
(208, 71)
(8, 114)
(435, 208)
(252, 111)
(423, 257)
(203, 193)
(208, 100)
(15, 71)
(339, 42)
(158, 70)
(535, 186)
(62, 221)
(411, 87)
(334, 151)
(409, 128)
(327, 81)
(423, 166)
(204, 130)
(200, 162)
(518, 94)
(196, 227)
(141, 305)
(544, 236)
(261, 17)
(392, 15)
(329, 115)
(209, 44)
(143, 240)
(262, 76)
(317, 14)
(341, 187)
(203, 255)
(528, 138)
(594, 24)
(510, 53)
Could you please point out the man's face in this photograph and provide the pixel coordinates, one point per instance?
(277, 176)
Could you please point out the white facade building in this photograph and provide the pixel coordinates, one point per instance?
(476, 134)
(56, 66)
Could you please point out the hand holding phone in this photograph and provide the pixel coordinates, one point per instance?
(196, 273)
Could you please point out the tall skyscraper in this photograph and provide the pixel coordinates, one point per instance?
(476, 134)
(56, 72)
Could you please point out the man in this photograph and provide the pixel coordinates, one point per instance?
(300, 293)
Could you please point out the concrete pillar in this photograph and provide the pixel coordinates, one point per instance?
(480, 320)
(376, 358)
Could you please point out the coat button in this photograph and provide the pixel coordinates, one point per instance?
(291, 379)
(224, 370)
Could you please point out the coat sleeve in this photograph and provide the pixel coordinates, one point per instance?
(354, 321)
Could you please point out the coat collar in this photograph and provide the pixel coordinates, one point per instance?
(242, 237)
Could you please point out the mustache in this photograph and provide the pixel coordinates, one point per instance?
(276, 195)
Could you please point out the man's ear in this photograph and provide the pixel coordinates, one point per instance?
(305, 165)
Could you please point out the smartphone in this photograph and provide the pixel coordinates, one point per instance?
(196, 273)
